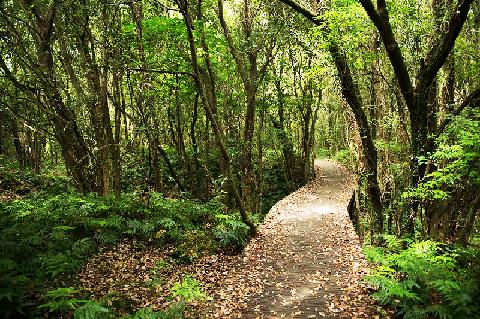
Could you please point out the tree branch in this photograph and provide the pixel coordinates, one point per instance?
(13, 79)
(436, 57)
(472, 99)
(162, 71)
(303, 11)
(24, 121)
(382, 22)
(228, 36)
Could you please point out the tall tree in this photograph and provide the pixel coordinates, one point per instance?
(351, 94)
(203, 80)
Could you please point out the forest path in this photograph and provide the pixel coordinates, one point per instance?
(306, 261)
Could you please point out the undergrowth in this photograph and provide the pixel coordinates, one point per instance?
(427, 279)
(63, 302)
(48, 232)
(45, 240)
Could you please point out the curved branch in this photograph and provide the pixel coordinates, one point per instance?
(228, 37)
(471, 100)
(381, 21)
(162, 71)
(303, 11)
(9, 75)
(436, 57)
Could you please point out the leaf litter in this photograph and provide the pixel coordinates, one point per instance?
(306, 262)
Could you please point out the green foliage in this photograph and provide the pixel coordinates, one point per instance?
(62, 299)
(344, 156)
(54, 264)
(193, 244)
(91, 310)
(175, 311)
(322, 153)
(47, 238)
(24, 182)
(231, 232)
(390, 146)
(13, 286)
(347, 23)
(426, 279)
(84, 247)
(146, 313)
(456, 160)
(275, 185)
(188, 290)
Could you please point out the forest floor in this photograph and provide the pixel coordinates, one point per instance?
(306, 262)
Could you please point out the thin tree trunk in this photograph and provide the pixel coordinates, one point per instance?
(116, 161)
(351, 94)
(207, 94)
(470, 220)
(287, 147)
(18, 144)
(193, 138)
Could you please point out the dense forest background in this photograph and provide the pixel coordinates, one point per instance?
(182, 122)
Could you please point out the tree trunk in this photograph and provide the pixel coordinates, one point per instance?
(287, 146)
(470, 220)
(116, 160)
(208, 95)
(351, 94)
(19, 151)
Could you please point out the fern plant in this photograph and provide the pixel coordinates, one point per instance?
(62, 299)
(424, 280)
(52, 264)
(231, 233)
(91, 310)
(175, 311)
(188, 290)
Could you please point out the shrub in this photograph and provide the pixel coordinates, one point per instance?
(426, 279)
(48, 238)
(188, 290)
(231, 233)
(193, 244)
(91, 310)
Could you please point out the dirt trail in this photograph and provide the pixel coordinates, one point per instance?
(306, 262)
